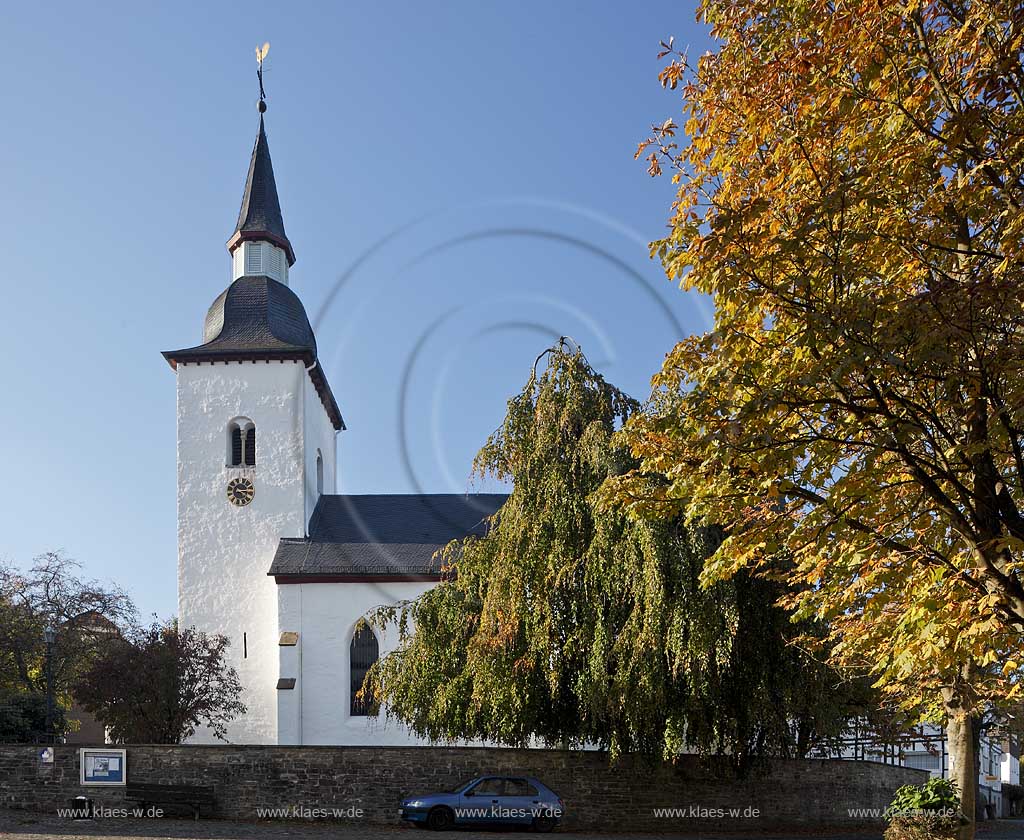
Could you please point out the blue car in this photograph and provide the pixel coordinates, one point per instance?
(487, 800)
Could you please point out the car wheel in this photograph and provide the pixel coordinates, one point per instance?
(544, 824)
(441, 818)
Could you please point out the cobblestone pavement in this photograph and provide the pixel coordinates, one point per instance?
(20, 825)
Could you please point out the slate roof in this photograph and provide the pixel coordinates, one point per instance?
(254, 313)
(260, 214)
(255, 319)
(382, 535)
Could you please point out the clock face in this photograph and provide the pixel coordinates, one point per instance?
(240, 491)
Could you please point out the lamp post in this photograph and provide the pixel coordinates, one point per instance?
(50, 635)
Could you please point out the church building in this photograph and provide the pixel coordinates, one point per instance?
(269, 554)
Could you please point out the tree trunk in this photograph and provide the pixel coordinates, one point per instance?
(979, 811)
(964, 765)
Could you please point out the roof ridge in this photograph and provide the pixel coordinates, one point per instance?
(384, 533)
(365, 495)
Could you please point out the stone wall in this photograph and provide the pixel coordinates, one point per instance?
(623, 797)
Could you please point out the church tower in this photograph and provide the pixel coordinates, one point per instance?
(257, 426)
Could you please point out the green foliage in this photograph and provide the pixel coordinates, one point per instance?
(50, 593)
(925, 812)
(570, 622)
(935, 795)
(23, 718)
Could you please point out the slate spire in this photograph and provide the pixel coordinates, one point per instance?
(260, 214)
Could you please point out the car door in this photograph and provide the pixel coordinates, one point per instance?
(521, 800)
(483, 802)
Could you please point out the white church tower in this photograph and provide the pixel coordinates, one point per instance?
(257, 426)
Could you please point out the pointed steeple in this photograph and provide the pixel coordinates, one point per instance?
(259, 218)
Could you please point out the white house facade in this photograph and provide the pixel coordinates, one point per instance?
(998, 764)
(926, 748)
(268, 554)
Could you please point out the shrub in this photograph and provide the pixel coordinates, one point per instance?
(927, 812)
(23, 718)
(1013, 799)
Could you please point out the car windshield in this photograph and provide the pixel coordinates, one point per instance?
(465, 785)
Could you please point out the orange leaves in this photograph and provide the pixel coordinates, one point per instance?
(672, 74)
(642, 146)
(849, 195)
(666, 151)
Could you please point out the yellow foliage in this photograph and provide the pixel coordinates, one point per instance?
(850, 196)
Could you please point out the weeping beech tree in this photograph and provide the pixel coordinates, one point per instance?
(569, 624)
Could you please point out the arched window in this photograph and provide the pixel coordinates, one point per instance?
(241, 443)
(319, 473)
(362, 654)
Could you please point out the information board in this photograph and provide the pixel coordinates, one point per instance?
(102, 766)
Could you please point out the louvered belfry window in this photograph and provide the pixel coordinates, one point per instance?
(254, 258)
(249, 440)
(273, 263)
(236, 447)
(362, 654)
(241, 443)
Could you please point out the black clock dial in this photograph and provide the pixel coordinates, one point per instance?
(240, 491)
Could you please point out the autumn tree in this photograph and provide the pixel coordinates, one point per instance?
(850, 190)
(159, 684)
(569, 623)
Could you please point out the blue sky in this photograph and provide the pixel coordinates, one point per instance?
(457, 181)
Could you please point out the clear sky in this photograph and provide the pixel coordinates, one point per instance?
(457, 182)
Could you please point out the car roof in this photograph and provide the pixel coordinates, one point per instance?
(523, 776)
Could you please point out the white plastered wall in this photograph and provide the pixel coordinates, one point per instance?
(224, 551)
(320, 436)
(325, 615)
